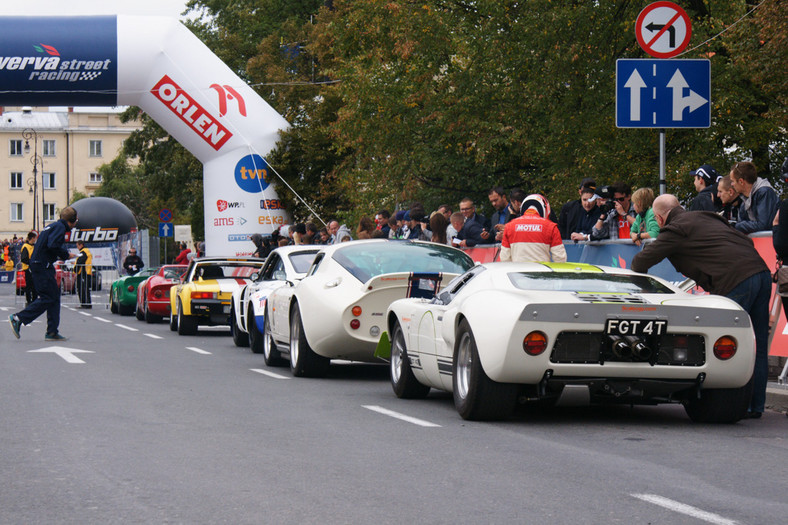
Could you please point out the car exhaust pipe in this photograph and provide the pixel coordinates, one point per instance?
(639, 349)
(621, 348)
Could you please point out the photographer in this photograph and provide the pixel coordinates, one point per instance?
(617, 214)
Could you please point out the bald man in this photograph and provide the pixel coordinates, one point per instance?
(723, 261)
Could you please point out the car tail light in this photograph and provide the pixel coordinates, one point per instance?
(354, 324)
(535, 343)
(725, 347)
(131, 287)
(356, 311)
(203, 295)
(157, 294)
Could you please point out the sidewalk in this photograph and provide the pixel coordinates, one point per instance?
(777, 397)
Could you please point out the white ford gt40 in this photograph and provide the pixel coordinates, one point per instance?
(286, 263)
(568, 333)
(338, 310)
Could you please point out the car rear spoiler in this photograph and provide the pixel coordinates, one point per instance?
(420, 285)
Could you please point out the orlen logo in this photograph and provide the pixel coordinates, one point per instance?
(223, 205)
(229, 93)
(190, 112)
(98, 235)
(251, 174)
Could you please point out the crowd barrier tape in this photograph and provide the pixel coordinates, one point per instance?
(619, 254)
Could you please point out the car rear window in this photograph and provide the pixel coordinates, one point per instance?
(367, 260)
(587, 282)
(302, 261)
(226, 270)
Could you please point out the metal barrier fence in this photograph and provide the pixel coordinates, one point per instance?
(69, 280)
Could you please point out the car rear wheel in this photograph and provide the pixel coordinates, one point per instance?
(113, 307)
(719, 405)
(255, 337)
(239, 338)
(271, 354)
(139, 314)
(304, 362)
(187, 324)
(173, 321)
(476, 396)
(403, 381)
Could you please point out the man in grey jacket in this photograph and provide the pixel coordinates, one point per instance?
(723, 261)
(759, 200)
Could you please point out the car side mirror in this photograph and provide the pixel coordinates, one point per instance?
(254, 277)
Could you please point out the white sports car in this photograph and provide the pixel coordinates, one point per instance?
(338, 310)
(286, 263)
(572, 334)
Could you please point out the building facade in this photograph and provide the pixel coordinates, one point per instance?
(64, 150)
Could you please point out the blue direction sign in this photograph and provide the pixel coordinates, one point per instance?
(663, 93)
(166, 229)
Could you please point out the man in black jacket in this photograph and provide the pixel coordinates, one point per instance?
(702, 246)
(706, 178)
(572, 212)
(48, 249)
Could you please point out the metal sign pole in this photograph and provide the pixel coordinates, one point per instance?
(663, 186)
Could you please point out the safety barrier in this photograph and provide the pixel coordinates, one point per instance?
(68, 281)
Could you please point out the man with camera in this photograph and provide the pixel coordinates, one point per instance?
(617, 213)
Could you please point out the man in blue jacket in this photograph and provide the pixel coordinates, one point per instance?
(48, 249)
(759, 200)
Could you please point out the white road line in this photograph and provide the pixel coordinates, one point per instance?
(199, 351)
(130, 329)
(397, 415)
(682, 508)
(153, 336)
(85, 313)
(97, 318)
(269, 374)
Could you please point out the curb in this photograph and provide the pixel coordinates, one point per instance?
(777, 397)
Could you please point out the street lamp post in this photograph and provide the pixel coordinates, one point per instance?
(35, 160)
(33, 188)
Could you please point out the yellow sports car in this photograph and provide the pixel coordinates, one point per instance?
(204, 295)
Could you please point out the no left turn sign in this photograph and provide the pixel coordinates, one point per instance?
(663, 29)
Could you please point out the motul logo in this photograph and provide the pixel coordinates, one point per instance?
(192, 113)
(528, 228)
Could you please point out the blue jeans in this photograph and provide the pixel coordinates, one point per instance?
(753, 295)
(48, 298)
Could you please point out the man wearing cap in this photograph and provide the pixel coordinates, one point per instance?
(701, 245)
(533, 237)
(588, 217)
(571, 212)
(706, 185)
(759, 200)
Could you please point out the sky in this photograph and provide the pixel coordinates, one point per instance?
(92, 7)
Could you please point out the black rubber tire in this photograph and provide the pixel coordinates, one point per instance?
(239, 338)
(403, 382)
(113, 306)
(476, 396)
(720, 405)
(304, 362)
(173, 321)
(139, 314)
(255, 337)
(149, 317)
(187, 324)
(271, 354)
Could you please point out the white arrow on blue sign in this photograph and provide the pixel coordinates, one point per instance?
(165, 229)
(663, 93)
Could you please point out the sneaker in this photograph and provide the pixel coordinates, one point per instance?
(15, 324)
(55, 337)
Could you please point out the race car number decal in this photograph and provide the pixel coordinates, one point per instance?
(636, 326)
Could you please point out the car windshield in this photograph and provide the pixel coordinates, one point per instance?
(173, 273)
(366, 260)
(225, 270)
(302, 261)
(587, 282)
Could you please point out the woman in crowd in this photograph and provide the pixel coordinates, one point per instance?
(645, 225)
(438, 226)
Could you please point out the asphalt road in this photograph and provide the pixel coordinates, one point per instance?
(153, 427)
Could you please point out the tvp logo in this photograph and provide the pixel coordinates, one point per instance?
(251, 174)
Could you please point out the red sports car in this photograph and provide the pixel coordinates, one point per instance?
(66, 279)
(153, 294)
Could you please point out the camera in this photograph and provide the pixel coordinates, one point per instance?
(606, 192)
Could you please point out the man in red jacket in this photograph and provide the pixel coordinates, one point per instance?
(532, 237)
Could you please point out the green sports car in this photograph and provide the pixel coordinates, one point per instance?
(123, 292)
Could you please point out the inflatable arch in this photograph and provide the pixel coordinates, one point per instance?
(156, 63)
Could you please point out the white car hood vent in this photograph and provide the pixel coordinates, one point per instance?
(623, 298)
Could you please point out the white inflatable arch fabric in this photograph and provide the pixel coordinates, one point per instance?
(156, 63)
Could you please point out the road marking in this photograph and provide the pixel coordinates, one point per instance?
(97, 318)
(682, 508)
(130, 329)
(269, 374)
(153, 336)
(397, 415)
(198, 350)
(67, 354)
(85, 313)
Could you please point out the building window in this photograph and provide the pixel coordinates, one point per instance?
(16, 180)
(17, 212)
(49, 147)
(15, 147)
(95, 148)
(49, 212)
(95, 178)
(49, 180)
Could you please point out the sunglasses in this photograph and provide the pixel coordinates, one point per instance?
(620, 199)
